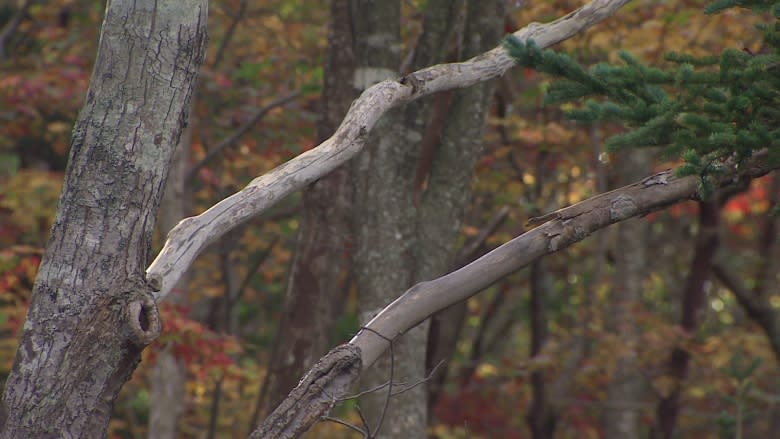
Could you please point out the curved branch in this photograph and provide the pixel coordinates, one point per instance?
(192, 235)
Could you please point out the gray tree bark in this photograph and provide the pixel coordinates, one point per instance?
(383, 219)
(92, 312)
(435, 152)
(624, 392)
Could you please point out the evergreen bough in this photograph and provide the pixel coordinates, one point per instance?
(701, 109)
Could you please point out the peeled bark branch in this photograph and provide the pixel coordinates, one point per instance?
(192, 235)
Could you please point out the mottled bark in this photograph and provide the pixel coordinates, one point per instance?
(384, 218)
(449, 184)
(694, 297)
(92, 312)
(410, 245)
(320, 272)
(624, 391)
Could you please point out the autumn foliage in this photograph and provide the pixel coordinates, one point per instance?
(535, 160)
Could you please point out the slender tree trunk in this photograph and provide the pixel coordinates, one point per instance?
(693, 301)
(448, 172)
(92, 312)
(320, 273)
(541, 415)
(437, 155)
(383, 220)
(624, 393)
(168, 375)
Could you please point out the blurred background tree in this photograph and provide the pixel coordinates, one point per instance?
(270, 89)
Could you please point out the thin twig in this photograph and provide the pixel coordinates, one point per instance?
(421, 380)
(364, 392)
(229, 33)
(262, 257)
(12, 25)
(346, 424)
(469, 251)
(243, 129)
(389, 392)
(363, 419)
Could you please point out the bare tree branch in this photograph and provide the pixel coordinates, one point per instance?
(564, 228)
(193, 234)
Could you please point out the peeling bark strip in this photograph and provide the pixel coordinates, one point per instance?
(92, 313)
(192, 235)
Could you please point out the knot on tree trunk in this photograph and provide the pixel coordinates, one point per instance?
(140, 314)
(144, 319)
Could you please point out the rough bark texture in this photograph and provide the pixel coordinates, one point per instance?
(449, 183)
(384, 220)
(694, 297)
(407, 244)
(625, 388)
(320, 273)
(316, 394)
(92, 313)
(168, 376)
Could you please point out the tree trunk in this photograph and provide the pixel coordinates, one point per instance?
(448, 187)
(92, 312)
(383, 219)
(438, 154)
(320, 273)
(625, 389)
(694, 297)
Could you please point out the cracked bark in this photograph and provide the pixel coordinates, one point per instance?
(91, 312)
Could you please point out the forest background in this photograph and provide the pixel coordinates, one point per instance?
(258, 105)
